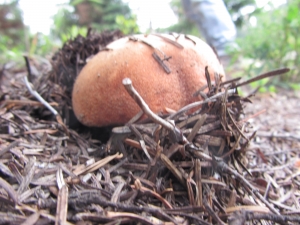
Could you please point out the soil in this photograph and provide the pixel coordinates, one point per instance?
(245, 170)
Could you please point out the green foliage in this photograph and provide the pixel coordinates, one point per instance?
(183, 25)
(264, 86)
(11, 21)
(12, 32)
(9, 53)
(15, 39)
(63, 21)
(98, 14)
(72, 32)
(238, 15)
(38, 44)
(273, 43)
(127, 26)
(71, 20)
(41, 45)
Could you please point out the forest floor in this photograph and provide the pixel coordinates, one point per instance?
(50, 172)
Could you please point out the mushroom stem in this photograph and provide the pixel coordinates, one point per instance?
(143, 105)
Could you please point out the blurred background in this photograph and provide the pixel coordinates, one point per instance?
(267, 30)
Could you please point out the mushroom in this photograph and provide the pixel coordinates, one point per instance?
(164, 69)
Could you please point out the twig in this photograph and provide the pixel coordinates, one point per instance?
(274, 135)
(197, 126)
(11, 145)
(252, 116)
(138, 146)
(161, 63)
(223, 167)
(62, 199)
(143, 105)
(97, 198)
(231, 81)
(212, 213)
(264, 75)
(198, 178)
(42, 213)
(135, 217)
(145, 190)
(9, 190)
(28, 68)
(196, 152)
(208, 80)
(240, 217)
(168, 40)
(167, 162)
(141, 140)
(43, 101)
(196, 104)
(145, 41)
(38, 97)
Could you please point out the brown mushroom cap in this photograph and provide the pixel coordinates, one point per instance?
(99, 98)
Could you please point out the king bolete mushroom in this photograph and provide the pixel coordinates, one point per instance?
(164, 69)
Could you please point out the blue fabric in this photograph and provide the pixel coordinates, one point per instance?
(214, 22)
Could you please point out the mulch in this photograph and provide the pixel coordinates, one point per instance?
(233, 161)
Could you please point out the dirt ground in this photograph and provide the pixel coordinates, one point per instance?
(50, 172)
(277, 123)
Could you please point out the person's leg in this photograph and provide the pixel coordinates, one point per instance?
(214, 22)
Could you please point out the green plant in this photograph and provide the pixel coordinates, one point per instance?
(15, 39)
(63, 20)
(183, 25)
(274, 43)
(237, 12)
(73, 32)
(127, 25)
(100, 15)
(42, 45)
(12, 32)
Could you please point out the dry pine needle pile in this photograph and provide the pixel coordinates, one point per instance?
(185, 167)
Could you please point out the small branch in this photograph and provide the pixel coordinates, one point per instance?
(143, 105)
(141, 140)
(208, 78)
(168, 40)
(240, 217)
(10, 146)
(198, 178)
(285, 135)
(197, 126)
(43, 101)
(222, 167)
(13, 195)
(38, 97)
(196, 104)
(161, 63)
(167, 162)
(145, 190)
(212, 213)
(97, 198)
(231, 81)
(264, 75)
(28, 68)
